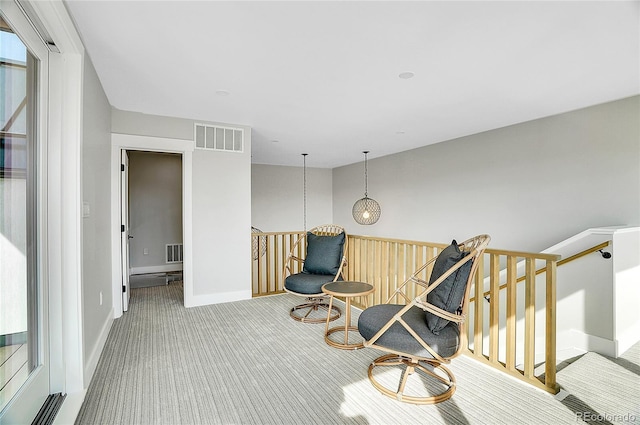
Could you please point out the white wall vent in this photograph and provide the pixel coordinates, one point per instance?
(216, 138)
(173, 253)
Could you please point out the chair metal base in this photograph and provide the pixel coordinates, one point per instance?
(311, 311)
(427, 370)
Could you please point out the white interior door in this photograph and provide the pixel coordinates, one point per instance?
(124, 216)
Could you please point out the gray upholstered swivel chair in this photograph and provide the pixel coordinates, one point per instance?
(318, 257)
(426, 332)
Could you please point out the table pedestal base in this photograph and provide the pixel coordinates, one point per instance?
(348, 290)
(342, 345)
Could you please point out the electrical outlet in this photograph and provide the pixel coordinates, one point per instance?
(100, 297)
(145, 251)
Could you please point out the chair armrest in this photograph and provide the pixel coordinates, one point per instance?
(299, 260)
(288, 266)
(413, 278)
(452, 317)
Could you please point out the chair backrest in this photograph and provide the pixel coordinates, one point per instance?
(474, 248)
(328, 230)
(298, 255)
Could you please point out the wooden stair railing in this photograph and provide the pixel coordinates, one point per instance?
(386, 263)
(581, 254)
(508, 329)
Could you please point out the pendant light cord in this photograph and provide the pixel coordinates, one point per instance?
(366, 177)
(304, 191)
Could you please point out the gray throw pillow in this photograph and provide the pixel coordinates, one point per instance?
(449, 293)
(324, 254)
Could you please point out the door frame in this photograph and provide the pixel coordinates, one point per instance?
(124, 234)
(129, 142)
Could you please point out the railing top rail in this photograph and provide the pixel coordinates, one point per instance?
(292, 232)
(406, 241)
(522, 254)
(536, 255)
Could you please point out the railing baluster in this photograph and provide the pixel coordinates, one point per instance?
(276, 249)
(282, 255)
(352, 264)
(371, 258)
(417, 259)
(401, 271)
(550, 335)
(494, 308)
(286, 248)
(530, 318)
(478, 311)
(392, 272)
(254, 272)
(268, 264)
(383, 264)
(511, 312)
(264, 264)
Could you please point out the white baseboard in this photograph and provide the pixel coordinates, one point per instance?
(224, 297)
(157, 269)
(575, 339)
(628, 339)
(92, 361)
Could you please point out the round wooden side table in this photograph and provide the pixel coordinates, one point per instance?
(348, 290)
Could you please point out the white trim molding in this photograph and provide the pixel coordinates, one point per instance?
(92, 361)
(64, 197)
(166, 268)
(121, 142)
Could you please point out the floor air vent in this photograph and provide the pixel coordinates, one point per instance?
(215, 138)
(174, 253)
(49, 409)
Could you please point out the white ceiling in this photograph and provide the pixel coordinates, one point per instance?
(322, 77)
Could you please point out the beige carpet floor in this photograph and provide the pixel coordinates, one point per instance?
(247, 362)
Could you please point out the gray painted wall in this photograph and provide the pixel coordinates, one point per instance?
(96, 194)
(126, 122)
(277, 201)
(222, 223)
(155, 208)
(529, 185)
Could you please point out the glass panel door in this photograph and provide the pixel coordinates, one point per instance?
(17, 358)
(23, 324)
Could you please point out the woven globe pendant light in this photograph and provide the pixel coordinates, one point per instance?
(366, 210)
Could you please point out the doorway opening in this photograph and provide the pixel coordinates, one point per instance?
(152, 218)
